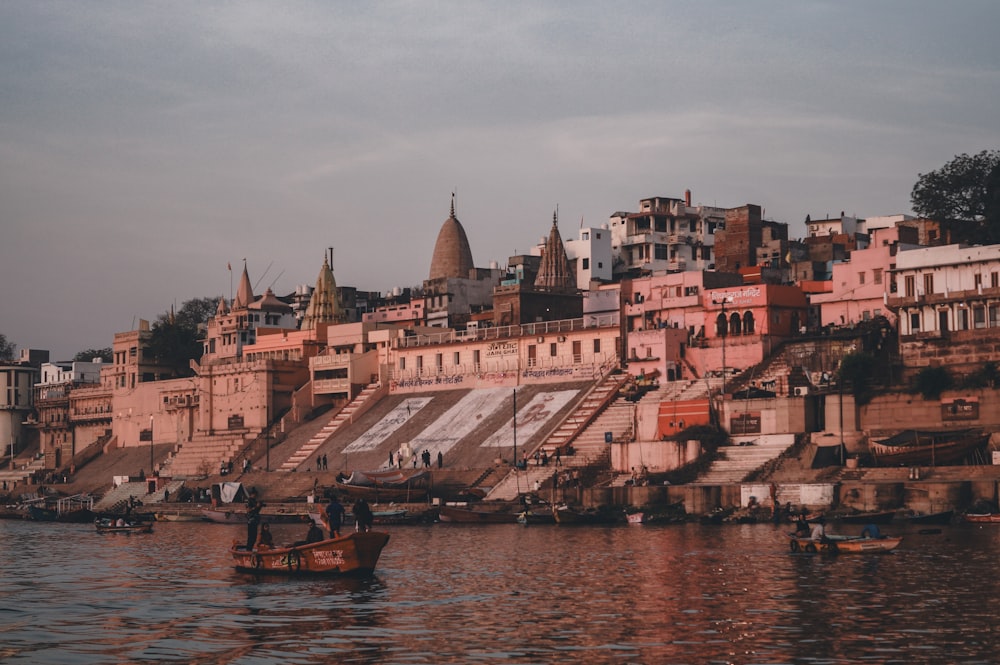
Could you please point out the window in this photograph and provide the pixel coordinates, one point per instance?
(995, 279)
(597, 345)
(660, 252)
(552, 349)
(915, 322)
(963, 318)
(910, 284)
(877, 275)
(977, 280)
(586, 263)
(979, 317)
(928, 284)
(585, 236)
(577, 351)
(861, 278)
(420, 363)
(600, 264)
(456, 358)
(994, 316)
(475, 358)
(438, 361)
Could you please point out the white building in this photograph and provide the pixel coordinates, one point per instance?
(947, 288)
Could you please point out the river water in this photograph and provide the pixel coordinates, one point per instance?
(452, 593)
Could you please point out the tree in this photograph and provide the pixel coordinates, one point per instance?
(857, 371)
(959, 196)
(176, 338)
(6, 349)
(87, 356)
(930, 382)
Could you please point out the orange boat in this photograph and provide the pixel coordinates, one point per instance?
(352, 554)
(845, 544)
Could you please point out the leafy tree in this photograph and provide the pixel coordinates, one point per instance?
(930, 382)
(6, 349)
(856, 371)
(962, 195)
(87, 356)
(176, 338)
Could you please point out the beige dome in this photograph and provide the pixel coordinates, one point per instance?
(452, 255)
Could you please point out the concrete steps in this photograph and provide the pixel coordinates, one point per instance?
(344, 417)
(736, 462)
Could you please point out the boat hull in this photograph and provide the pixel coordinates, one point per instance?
(844, 545)
(982, 518)
(352, 554)
(240, 517)
(107, 525)
(945, 449)
(883, 517)
(931, 518)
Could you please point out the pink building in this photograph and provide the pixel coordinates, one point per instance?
(861, 285)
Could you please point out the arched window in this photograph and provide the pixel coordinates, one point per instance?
(720, 325)
(748, 323)
(735, 323)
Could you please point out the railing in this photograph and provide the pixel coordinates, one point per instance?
(507, 332)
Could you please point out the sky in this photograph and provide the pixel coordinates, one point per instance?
(146, 146)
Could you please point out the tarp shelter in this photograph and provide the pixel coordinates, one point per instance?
(832, 455)
(228, 493)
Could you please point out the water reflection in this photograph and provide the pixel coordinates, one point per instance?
(499, 593)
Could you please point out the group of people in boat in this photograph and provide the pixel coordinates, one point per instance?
(333, 516)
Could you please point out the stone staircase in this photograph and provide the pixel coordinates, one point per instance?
(202, 455)
(583, 416)
(737, 461)
(121, 494)
(22, 470)
(347, 415)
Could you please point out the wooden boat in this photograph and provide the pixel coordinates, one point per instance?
(943, 517)
(240, 517)
(351, 554)
(982, 518)
(844, 544)
(179, 517)
(384, 486)
(635, 518)
(916, 447)
(881, 517)
(110, 525)
(472, 516)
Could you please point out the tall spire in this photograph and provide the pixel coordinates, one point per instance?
(324, 305)
(244, 294)
(452, 254)
(554, 272)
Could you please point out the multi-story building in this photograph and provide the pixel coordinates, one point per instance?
(589, 255)
(57, 436)
(745, 234)
(666, 234)
(16, 400)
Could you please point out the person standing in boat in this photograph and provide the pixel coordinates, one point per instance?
(334, 516)
(363, 517)
(254, 507)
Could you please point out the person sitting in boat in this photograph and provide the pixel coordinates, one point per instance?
(802, 526)
(265, 539)
(872, 531)
(120, 522)
(819, 530)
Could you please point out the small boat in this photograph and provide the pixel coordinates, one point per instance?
(917, 447)
(982, 518)
(351, 554)
(179, 517)
(844, 544)
(635, 518)
(111, 525)
(943, 517)
(881, 517)
(240, 517)
(472, 516)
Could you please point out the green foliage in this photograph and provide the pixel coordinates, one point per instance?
(87, 356)
(856, 372)
(176, 338)
(984, 377)
(963, 196)
(6, 349)
(930, 382)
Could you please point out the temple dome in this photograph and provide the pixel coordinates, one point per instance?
(452, 254)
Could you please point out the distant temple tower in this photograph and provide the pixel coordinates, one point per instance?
(452, 254)
(554, 273)
(324, 305)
